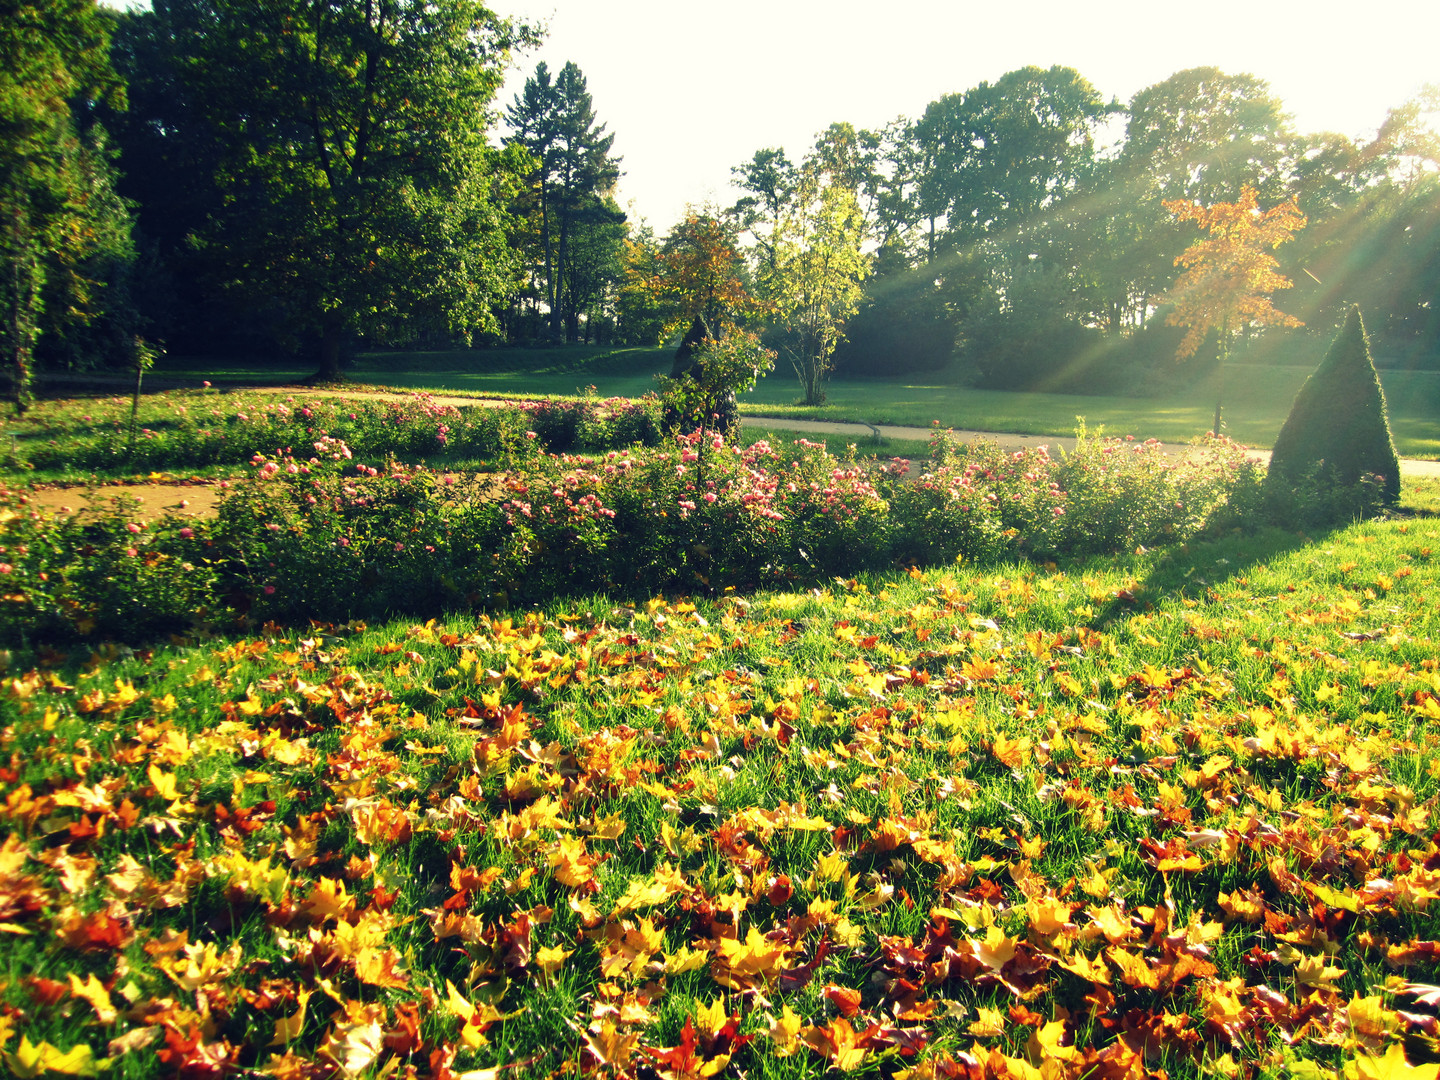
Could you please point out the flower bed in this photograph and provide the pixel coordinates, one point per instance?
(320, 537)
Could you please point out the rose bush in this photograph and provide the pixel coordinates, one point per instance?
(316, 534)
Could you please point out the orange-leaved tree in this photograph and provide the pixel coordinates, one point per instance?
(700, 271)
(1230, 274)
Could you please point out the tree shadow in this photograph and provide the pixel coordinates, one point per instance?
(1196, 569)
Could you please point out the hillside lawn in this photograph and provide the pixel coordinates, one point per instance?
(1170, 812)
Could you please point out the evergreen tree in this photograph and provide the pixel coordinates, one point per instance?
(572, 184)
(1337, 429)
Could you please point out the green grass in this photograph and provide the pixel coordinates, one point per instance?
(948, 783)
(1257, 398)
(500, 372)
(1257, 402)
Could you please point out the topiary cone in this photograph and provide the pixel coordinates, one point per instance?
(1338, 423)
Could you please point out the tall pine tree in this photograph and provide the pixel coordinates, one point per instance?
(572, 184)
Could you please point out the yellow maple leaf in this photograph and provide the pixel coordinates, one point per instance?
(94, 992)
(379, 967)
(995, 950)
(1045, 1043)
(30, 1060)
(353, 1047)
(1389, 1066)
(1313, 971)
(551, 958)
(163, 782)
(784, 1032)
(988, 1023)
(1093, 970)
(1048, 915)
(642, 894)
(755, 956)
(685, 959)
(328, 900)
(571, 863)
(456, 1004)
(712, 1017)
(288, 1028)
(837, 1043)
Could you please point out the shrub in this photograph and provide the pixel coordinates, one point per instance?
(328, 538)
(101, 573)
(1337, 435)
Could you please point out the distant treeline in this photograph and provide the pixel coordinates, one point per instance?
(225, 175)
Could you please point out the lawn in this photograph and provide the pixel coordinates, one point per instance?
(1257, 397)
(1168, 810)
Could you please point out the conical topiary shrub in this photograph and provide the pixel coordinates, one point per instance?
(1337, 434)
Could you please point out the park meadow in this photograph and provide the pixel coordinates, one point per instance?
(1016, 769)
(495, 700)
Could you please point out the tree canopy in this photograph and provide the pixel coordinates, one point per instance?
(56, 193)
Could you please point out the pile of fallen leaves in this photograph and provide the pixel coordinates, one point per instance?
(1141, 819)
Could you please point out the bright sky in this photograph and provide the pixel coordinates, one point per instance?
(692, 89)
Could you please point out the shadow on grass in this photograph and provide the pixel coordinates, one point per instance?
(1194, 570)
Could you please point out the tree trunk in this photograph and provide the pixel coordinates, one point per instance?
(331, 338)
(24, 297)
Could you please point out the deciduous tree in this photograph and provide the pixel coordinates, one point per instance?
(360, 194)
(56, 194)
(700, 271)
(1230, 274)
(814, 285)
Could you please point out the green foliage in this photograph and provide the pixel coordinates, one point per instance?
(314, 533)
(1337, 435)
(573, 231)
(358, 191)
(814, 284)
(703, 395)
(60, 223)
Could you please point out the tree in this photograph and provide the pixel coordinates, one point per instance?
(1230, 275)
(1000, 155)
(814, 284)
(700, 272)
(769, 180)
(594, 270)
(359, 193)
(1338, 423)
(573, 178)
(56, 192)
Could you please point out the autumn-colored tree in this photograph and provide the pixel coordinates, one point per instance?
(699, 271)
(1230, 275)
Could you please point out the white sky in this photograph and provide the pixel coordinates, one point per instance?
(692, 89)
